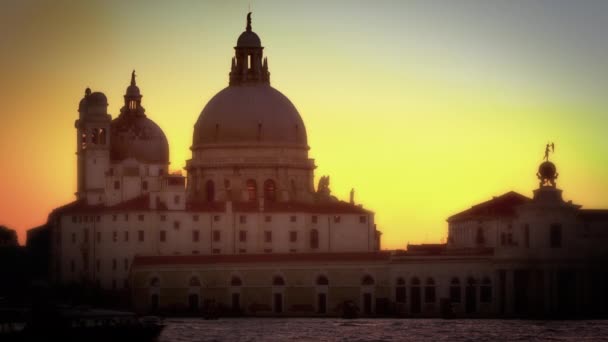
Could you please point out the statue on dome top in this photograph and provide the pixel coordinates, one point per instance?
(549, 148)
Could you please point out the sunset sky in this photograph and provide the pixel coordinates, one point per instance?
(424, 107)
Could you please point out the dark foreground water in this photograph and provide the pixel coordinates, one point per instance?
(360, 330)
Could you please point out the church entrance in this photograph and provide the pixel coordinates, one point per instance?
(278, 303)
(321, 303)
(193, 302)
(416, 306)
(367, 303)
(470, 299)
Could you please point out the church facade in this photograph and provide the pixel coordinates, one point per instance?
(247, 231)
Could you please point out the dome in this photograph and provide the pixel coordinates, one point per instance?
(96, 100)
(547, 170)
(249, 114)
(249, 39)
(140, 138)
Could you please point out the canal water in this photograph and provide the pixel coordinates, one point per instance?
(379, 330)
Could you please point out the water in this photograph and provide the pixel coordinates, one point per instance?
(380, 330)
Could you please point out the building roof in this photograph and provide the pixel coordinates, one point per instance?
(501, 206)
(142, 203)
(593, 214)
(259, 258)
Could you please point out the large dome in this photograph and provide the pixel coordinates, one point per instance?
(140, 138)
(252, 113)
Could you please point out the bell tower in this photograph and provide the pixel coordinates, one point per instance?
(92, 147)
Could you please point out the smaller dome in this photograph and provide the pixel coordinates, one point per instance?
(92, 103)
(249, 39)
(133, 91)
(97, 99)
(547, 170)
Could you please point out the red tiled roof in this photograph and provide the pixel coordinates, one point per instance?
(259, 258)
(500, 206)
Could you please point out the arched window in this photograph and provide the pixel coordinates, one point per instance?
(278, 281)
(322, 280)
(236, 281)
(400, 293)
(252, 190)
(194, 281)
(455, 290)
(486, 290)
(429, 291)
(270, 190)
(154, 282)
(314, 239)
(367, 280)
(209, 191)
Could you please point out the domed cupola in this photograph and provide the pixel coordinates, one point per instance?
(249, 111)
(134, 135)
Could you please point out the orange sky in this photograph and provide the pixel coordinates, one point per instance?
(424, 107)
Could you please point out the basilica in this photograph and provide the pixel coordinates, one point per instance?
(247, 231)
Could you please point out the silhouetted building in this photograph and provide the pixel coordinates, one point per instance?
(249, 188)
(246, 232)
(8, 237)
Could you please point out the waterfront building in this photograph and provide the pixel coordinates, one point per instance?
(247, 230)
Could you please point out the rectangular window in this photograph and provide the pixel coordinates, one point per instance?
(176, 199)
(362, 219)
(176, 225)
(243, 219)
(140, 217)
(98, 218)
(268, 250)
(293, 250)
(126, 217)
(116, 185)
(314, 218)
(216, 218)
(74, 219)
(73, 237)
(337, 219)
(126, 236)
(126, 264)
(140, 236)
(556, 236)
(293, 236)
(216, 251)
(216, 235)
(163, 218)
(144, 186)
(98, 237)
(114, 236)
(242, 251)
(293, 218)
(97, 265)
(114, 264)
(195, 218)
(242, 236)
(85, 236)
(267, 236)
(163, 236)
(267, 218)
(195, 235)
(114, 217)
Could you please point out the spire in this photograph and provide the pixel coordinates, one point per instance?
(248, 29)
(133, 78)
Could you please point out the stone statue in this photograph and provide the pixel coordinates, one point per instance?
(323, 187)
(549, 148)
(352, 196)
(249, 21)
